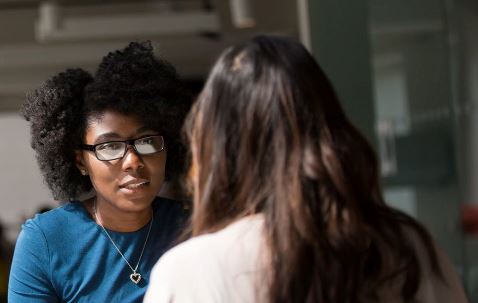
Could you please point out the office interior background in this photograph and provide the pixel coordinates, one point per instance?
(405, 70)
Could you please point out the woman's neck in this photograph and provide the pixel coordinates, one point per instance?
(115, 219)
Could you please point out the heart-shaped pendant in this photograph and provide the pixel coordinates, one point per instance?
(135, 277)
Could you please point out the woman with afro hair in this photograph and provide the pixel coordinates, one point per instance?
(106, 144)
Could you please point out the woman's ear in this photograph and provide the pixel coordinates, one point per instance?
(80, 163)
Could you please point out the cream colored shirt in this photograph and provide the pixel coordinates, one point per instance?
(225, 266)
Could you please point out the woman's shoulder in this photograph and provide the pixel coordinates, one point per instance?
(65, 216)
(235, 240)
(446, 287)
(190, 263)
(220, 265)
(64, 210)
(47, 230)
(242, 229)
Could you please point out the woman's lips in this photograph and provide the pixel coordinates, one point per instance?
(134, 187)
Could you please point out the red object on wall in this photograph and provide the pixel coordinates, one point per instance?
(469, 219)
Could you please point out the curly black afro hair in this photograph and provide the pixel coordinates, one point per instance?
(131, 81)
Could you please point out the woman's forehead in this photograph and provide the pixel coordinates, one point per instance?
(114, 125)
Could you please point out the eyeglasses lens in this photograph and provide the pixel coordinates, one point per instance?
(110, 150)
(149, 145)
(116, 150)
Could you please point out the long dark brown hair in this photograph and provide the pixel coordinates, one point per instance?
(269, 136)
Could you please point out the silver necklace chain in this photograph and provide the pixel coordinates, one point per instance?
(135, 276)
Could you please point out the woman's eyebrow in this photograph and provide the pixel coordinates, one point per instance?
(115, 136)
(107, 137)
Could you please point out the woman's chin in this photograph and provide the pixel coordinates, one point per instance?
(135, 200)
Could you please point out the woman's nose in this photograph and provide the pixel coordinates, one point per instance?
(132, 160)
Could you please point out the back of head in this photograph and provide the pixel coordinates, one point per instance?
(268, 120)
(268, 135)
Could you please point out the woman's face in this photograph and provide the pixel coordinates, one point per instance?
(128, 184)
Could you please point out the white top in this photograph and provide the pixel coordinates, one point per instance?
(225, 267)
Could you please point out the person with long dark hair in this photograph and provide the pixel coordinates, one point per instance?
(105, 143)
(287, 202)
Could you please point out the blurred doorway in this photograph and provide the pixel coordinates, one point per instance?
(416, 59)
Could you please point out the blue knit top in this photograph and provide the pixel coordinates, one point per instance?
(64, 256)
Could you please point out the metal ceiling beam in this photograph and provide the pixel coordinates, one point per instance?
(26, 4)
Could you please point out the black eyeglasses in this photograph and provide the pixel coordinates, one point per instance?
(113, 150)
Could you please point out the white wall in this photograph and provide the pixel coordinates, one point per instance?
(21, 187)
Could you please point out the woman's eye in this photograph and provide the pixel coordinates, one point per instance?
(110, 146)
(144, 141)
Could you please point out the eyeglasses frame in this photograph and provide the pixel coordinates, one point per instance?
(129, 142)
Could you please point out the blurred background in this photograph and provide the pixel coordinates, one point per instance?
(406, 72)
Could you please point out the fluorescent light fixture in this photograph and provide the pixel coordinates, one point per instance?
(242, 13)
(52, 27)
